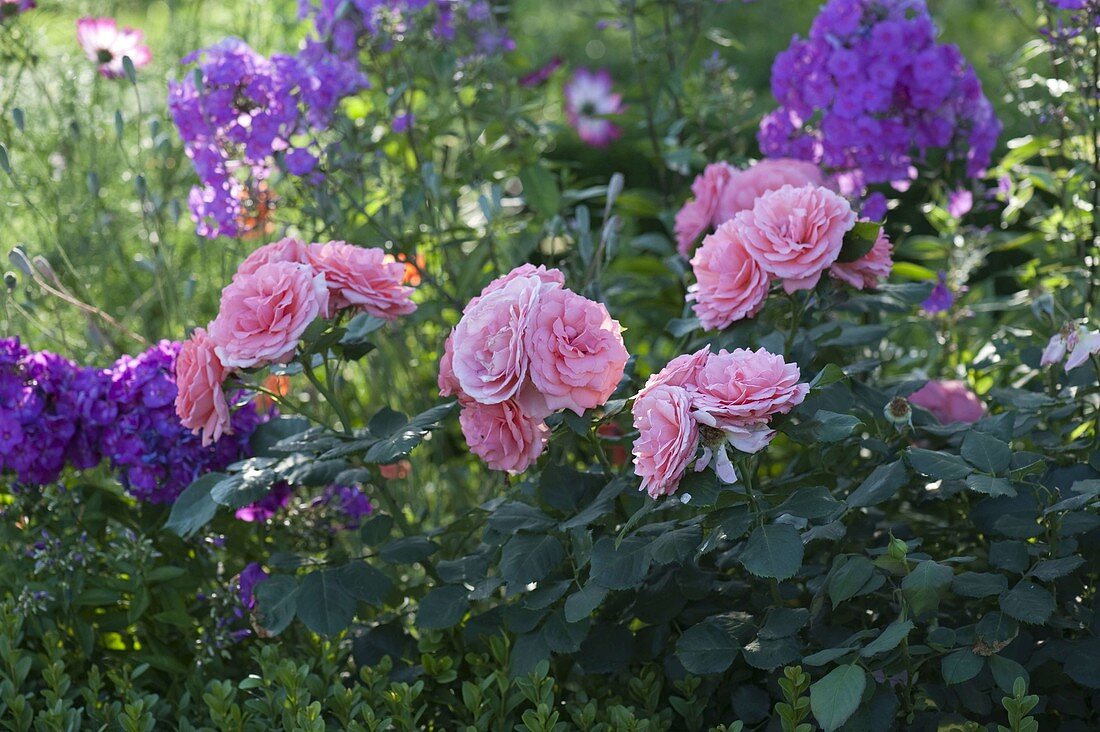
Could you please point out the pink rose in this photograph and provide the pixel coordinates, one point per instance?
(700, 214)
(796, 233)
(200, 401)
(489, 360)
(502, 435)
(729, 285)
(263, 314)
(680, 371)
(871, 269)
(949, 401)
(668, 437)
(365, 278)
(448, 384)
(741, 192)
(743, 387)
(284, 250)
(576, 351)
(546, 276)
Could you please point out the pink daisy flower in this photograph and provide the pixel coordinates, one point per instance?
(588, 102)
(106, 44)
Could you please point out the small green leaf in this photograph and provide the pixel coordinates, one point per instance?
(979, 584)
(833, 427)
(859, 240)
(848, 577)
(925, 585)
(580, 604)
(195, 507)
(836, 697)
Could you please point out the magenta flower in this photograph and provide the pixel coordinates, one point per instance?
(588, 102)
(942, 297)
(106, 44)
(959, 203)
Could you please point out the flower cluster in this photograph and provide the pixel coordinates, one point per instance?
(1074, 344)
(709, 400)
(105, 44)
(721, 192)
(344, 506)
(870, 91)
(349, 25)
(239, 113)
(525, 348)
(589, 100)
(276, 293)
(55, 413)
(792, 233)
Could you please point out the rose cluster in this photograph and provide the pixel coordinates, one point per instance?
(239, 113)
(870, 89)
(525, 348)
(276, 293)
(709, 400)
(794, 234)
(349, 25)
(55, 413)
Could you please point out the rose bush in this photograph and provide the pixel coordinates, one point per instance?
(543, 395)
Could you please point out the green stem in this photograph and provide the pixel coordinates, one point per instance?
(330, 397)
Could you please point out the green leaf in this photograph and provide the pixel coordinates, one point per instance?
(979, 584)
(831, 374)
(782, 622)
(859, 240)
(826, 656)
(386, 422)
(1052, 569)
(676, 545)
(442, 608)
(833, 427)
(540, 189)
(894, 634)
(990, 485)
(356, 340)
(622, 567)
(881, 485)
(514, 516)
(848, 577)
(528, 558)
(1009, 555)
(815, 502)
(1028, 603)
(402, 441)
(925, 585)
(323, 605)
(364, 582)
(986, 452)
(960, 666)
(376, 530)
(408, 550)
(836, 696)
(773, 551)
(276, 602)
(1006, 671)
(581, 603)
(767, 654)
(195, 507)
(707, 648)
(938, 464)
(562, 636)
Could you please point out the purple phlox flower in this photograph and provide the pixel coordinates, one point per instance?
(959, 203)
(942, 298)
(252, 575)
(262, 510)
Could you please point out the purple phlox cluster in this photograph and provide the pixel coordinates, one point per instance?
(238, 111)
(276, 499)
(11, 8)
(350, 25)
(252, 575)
(348, 504)
(1080, 15)
(942, 297)
(52, 413)
(870, 92)
(55, 413)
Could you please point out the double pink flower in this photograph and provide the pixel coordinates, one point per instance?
(709, 400)
(525, 348)
(277, 292)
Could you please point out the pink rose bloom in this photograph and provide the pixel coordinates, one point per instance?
(489, 360)
(871, 269)
(796, 233)
(667, 438)
(576, 351)
(741, 388)
(767, 175)
(729, 285)
(680, 371)
(589, 101)
(106, 44)
(502, 435)
(700, 214)
(200, 401)
(263, 315)
(284, 250)
(949, 401)
(547, 276)
(364, 278)
(448, 384)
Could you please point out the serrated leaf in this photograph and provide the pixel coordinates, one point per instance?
(986, 452)
(924, 586)
(990, 485)
(582, 602)
(881, 485)
(528, 558)
(773, 551)
(1028, 603)
(364, 582)
(707, 648)
(859, 240)
(938, 464)
(408, 550)
(323, 605)
(676, 545)
(960, 666)
(622, 567)
(832, 426)
(836, 697)
(1052, 569)
(442, 608)
(276, 602)
(979, 584)
(848, 578)
(889, 639)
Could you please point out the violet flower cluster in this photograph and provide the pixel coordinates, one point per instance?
(54, 413)
(870, 93)
(347, 26)
(240, 113)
